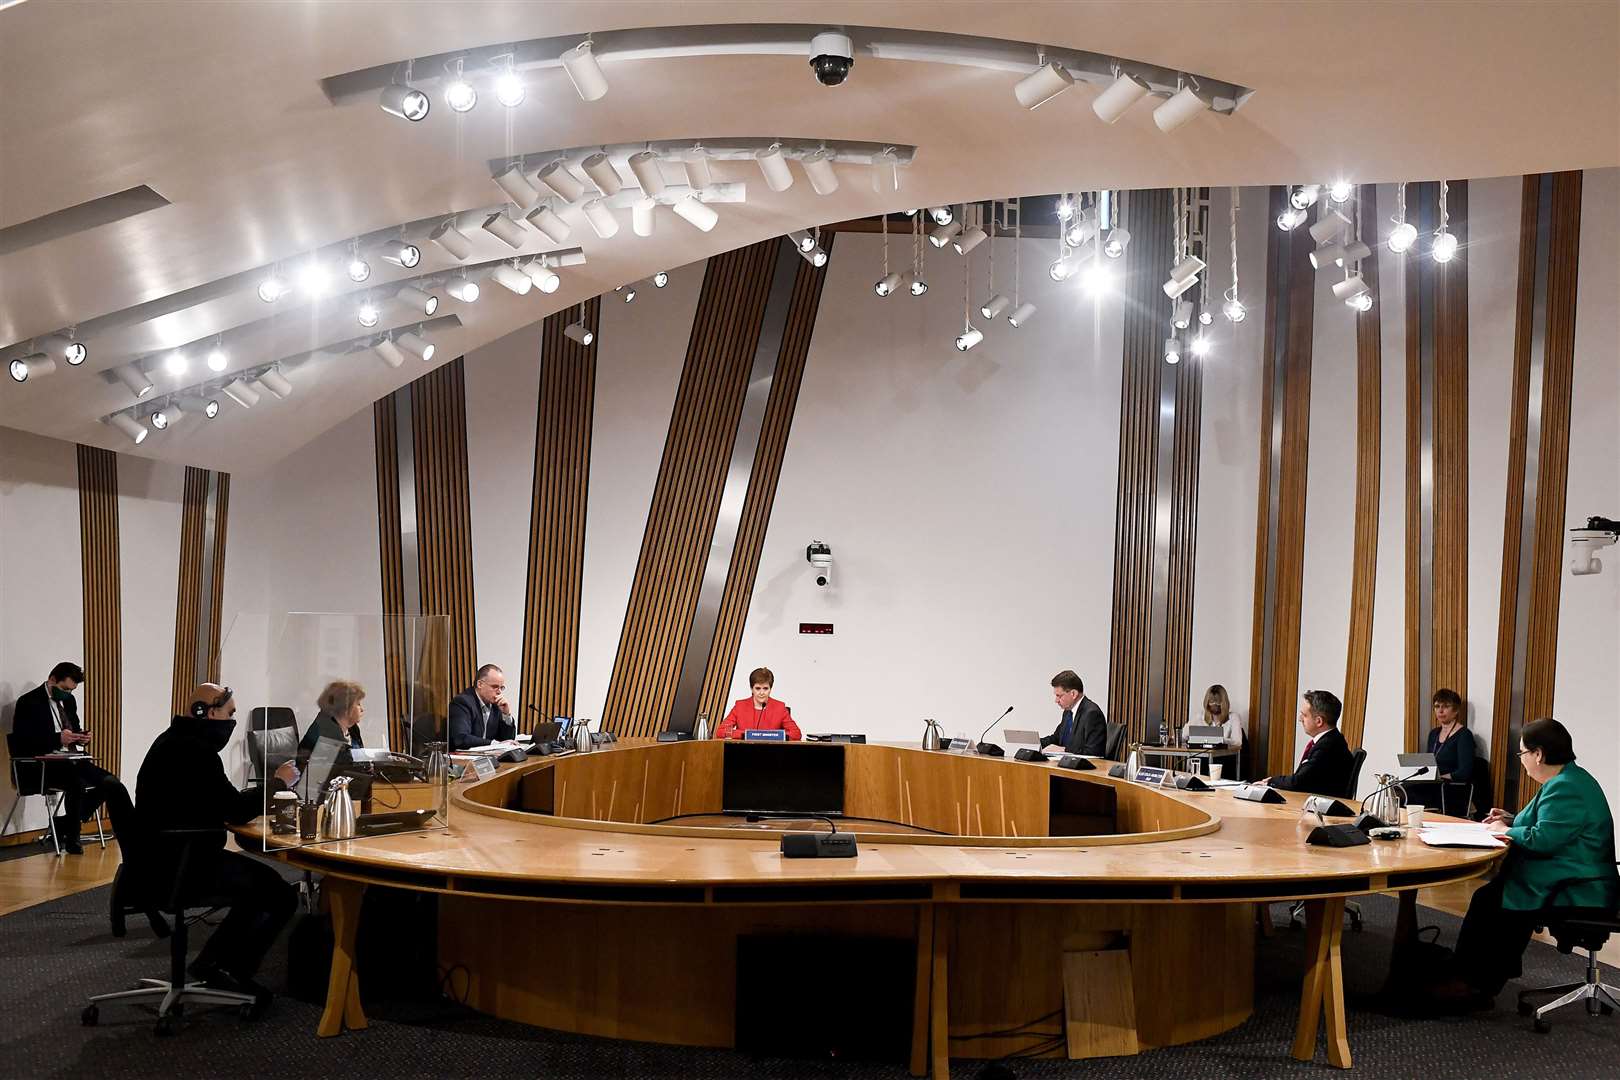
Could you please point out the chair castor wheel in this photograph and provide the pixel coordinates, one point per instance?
(165, 1026)
(90, 1016)
(1542, 1027)
(1525, 1009)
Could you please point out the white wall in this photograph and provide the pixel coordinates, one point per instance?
(968, 499)
(150, 497)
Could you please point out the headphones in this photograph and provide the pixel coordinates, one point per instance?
(199, 709)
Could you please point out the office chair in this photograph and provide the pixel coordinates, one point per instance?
(272, 735)
(36, 786)
(175, 992)
(1114, 740)
(1352, 910)
(1577, 928)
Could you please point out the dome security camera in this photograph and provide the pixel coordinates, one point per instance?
(819, 555)
(831, 56)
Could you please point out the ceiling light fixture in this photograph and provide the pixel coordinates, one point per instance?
(1304, 196)
(314, 279)
(1042, 85)
(505, 230)
(240, 392)
(601, 219)
(1200, 346)
(1352, 286)
(816, 256)
(1291, 219)
(509, 88)
(943, 234)
(272, 288)
(818, 168)
(274, 381)
(643, 216)
(176, 363)
(452, 240)
(63, 347)
(802, 239)
(644, 164)
(417, 300)
(400, 253)
(969, 238)
(358, 269)
(696, 166)
(1327, 255)
(1172, 351)
(1179, 108)
(549, 222)
(773, 167)
(1233, 309)
(512, 278)
(367, 313)
(660, 279)
(34, 365)
(543, 276)
(1404, 235)
(695, 213)
(133, 378)
(1125, 91)
(1118, 240)
(995, 306)
(582, 67)
(207, 408)
(405, 102)
(459, 94)
(1181, 313)
(388, 352)
(1341, 190)
(1329, 227)
(515, 185)
(463, 289)
(417, 345)
(1444, 245)
(169, 414)
(942, 215)
(602, 173)
(218, 359)
(627, 293)
(555, 175)
(136, 430)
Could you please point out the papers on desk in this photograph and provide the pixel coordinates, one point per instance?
(1470, 835)
(491, 748)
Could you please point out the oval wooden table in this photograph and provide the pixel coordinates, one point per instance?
(1023, 885)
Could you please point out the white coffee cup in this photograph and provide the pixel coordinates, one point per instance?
(1215, 770)
(1414, 817)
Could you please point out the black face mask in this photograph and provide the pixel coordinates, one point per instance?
(60, 694)
(217, 733)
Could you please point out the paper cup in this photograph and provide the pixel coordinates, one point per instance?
(1215, 770)
(1414, 817)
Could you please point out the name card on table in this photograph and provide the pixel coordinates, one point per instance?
(765, 735)
(484, 766)
(1154, 777)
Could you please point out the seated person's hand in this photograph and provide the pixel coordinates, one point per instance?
(1498, 815)
(1498, 827)
(287, 773)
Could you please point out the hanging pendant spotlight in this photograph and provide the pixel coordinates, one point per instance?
(405, 102)
(1042, 85)
(1126, 90)
(773, 167)
(585, 72)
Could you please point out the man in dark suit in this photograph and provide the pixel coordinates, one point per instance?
(1082, 729)
(481, 714)
(46, 721)
(1324, 767)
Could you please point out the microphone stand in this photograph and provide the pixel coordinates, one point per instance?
(990, 749)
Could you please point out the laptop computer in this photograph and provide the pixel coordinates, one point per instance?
(1415, 761)
(1205, 735)
(1021, 737)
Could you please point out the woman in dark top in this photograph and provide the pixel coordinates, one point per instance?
(341, 707)
(1450, 741)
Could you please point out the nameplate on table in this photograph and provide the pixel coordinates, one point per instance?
(484, 766)
(1153, 777)
(765, 735)
(958, 746)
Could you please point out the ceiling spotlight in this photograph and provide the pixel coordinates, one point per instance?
(601, 219)
(34, 364)
(582, 68)
(1303, 196)
(132, 377)
(578, 331)
(696, 167)
(941, 235)
(1234, 310)
(774, 167)
(942, 215)
(970, 238)
(167, 415)
(887, 284)
(1064, 208)
(1063, 269)
(1172, 351)
(816, 256)
(512, 278)
(415, 298)
(1327, 255)
(1341, 190)
(542, 275)
(549, 222)
(995, 306)
(1021, 315)
(1361, 301)
(696, 213)
(1352, 286)
(515, 185)
(60, 346)
(1200, 346)
(819, 168)
(644, 164)
(464, 290)
(1079, 232)
(452, 239)
(1173, 288)
(358, 269)
(505, 230)
(969, 338)
(389, 353)
(217, 359)
(274, 381)
(1042, 85)
(660, 279)
(405, 102)
(1290, 219)
(509, 88)
(272, 288)
(802, 239)
(1118, 240)
(915, 284)
(643, 216)
(1329, 227)
(602, 173)
(1355, 251)
(627, 293)
(400, 253)
(557, 177)
(240, 392)
(1181, 107)
(314, 279)
(416, 345)
(175, 363)
(136, 430)
(1181, 314)
(367, 314)
(1187, 269)
(1126, 90)
(1097, 279)
(460, 95)
(1402, 237)
(1444, 248)
(208, 408)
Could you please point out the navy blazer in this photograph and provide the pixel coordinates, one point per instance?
(467, 724)
(1088, 736)
(1324, 770)
(33, 726)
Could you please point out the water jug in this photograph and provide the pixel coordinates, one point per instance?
(933, 738)
(436, 762)
(700, 730)
(1385, 803)
(338, 820)
(582, 737)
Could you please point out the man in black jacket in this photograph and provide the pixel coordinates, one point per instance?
(481, 714)
(1324, 767)
(46, 721)
(182, 786)
(1082, 729)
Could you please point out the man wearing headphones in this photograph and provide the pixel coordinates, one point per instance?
(182, 786)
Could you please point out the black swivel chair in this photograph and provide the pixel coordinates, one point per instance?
(1114, 740)
(272, 736)
(146, 888)
(1577, 928)
(28, 778)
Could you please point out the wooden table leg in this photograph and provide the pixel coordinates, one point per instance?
(922, 996)
(1405, 938)
(1322, 994)
(940, 994)
(343, 987)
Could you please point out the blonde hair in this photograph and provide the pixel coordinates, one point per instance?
(1218, 692)
(339, 697)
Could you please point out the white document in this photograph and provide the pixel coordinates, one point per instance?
(1472, 835)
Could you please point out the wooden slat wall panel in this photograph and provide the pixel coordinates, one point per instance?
(1369, 426)
(1448, 294)
(562, 466)
(443, 513)
(222, 505)
(756, 512)
(1178, 695)
(103, 609)
(188, 592)
(393, 582)
(1512, 787)
(1146, 318)
(1274, 678)
(686, 498)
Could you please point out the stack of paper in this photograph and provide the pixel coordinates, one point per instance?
(1459, 835)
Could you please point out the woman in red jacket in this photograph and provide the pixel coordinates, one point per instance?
(761, 712)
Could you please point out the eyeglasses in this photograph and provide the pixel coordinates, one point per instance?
(1524, 752)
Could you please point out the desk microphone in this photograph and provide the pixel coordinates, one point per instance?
(990, 749)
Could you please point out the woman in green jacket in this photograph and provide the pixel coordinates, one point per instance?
(1562, 856)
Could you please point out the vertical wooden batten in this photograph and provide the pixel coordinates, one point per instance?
(385, 430)
(443, 513)
(201, 583)
(103, 612)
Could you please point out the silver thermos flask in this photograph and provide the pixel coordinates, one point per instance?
(700, 730)
(931, 739)
(582, 737)
(338, 823)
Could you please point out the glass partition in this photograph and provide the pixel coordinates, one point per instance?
(356, 705)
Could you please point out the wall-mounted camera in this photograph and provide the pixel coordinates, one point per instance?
(831, 56)
(819, 556)
(1585, 543)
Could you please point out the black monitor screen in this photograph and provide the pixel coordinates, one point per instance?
(797, 779)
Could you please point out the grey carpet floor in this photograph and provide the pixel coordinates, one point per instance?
(56, 954)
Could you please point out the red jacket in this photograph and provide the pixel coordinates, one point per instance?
(744, 717)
